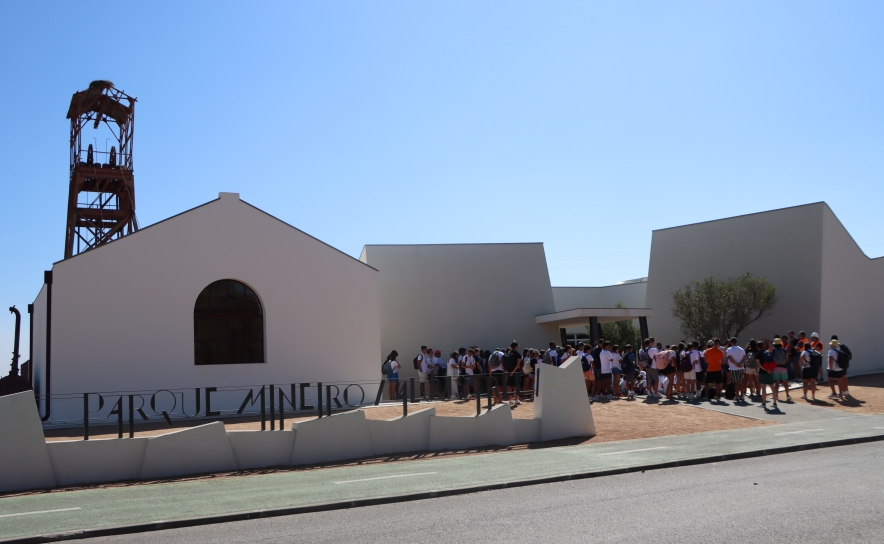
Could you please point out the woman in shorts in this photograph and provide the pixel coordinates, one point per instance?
(394, 375)
(808, 373)
(751, 369)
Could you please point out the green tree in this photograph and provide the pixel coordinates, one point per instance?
(620, 332)
(720, 309)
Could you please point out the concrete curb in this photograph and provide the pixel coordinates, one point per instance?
(358, 503)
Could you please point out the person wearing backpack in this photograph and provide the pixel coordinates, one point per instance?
(453, 373)
(781, 372)
(810, 360)
(837, 369)
(629, 368)
(424, 365)
(390, 369)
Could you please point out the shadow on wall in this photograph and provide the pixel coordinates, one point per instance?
(27, 461)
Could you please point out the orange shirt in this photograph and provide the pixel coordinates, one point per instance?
(714, 358)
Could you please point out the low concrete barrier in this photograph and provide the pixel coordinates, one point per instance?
(402, 434)
(24, 459)
(562, 406)
(78, 462)
(333, 438)
(190, 451)
(562, 410)
(259, 449)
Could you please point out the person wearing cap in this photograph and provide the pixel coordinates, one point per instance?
(781, 372)
(816, 345)
(836, 373)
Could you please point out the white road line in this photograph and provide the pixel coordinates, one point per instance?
(795, 432)
(38, 512)
(633, 451)
(878, 427)
(385, 477)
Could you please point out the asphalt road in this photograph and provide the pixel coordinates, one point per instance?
(825, 495)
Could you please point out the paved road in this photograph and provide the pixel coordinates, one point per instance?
(94, 508)
(827, 495)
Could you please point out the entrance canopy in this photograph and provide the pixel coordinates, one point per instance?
(594, 317)
(580, 317)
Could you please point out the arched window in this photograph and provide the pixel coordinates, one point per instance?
(228, 325)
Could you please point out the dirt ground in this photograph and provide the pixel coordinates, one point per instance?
(615, 420)
(867, 396)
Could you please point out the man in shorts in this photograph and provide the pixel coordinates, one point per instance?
(781, 372)
(423, 360)
(736, 362)
(836, 373)
(816, 345)
(714, 359)
(651, 375)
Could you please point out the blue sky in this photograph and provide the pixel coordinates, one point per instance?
(580, 125)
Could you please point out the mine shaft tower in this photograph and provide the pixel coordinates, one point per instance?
(101, 201)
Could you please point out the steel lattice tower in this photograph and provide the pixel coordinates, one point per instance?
(101, 202)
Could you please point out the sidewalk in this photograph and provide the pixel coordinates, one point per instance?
(150, 507)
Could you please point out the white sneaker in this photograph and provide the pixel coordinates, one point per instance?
(833, 396)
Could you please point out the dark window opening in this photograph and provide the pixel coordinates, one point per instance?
(228, 325)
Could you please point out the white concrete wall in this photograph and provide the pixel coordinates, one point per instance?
(852, 296)
(632, 295)
(123, 313)
(78, 462)
(765, 244)
(455, 295)
(38, 358)
(24, 459)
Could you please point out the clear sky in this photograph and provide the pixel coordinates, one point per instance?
(581, 125)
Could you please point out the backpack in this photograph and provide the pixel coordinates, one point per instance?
(779, 356)
(751, 360)
(685, 364)
(643, 358)
(494, 361)
(844, 357)
(585, 364)
(386, 368)
(417, 361)
(816, 359)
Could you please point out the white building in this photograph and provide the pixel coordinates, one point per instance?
(221, 295)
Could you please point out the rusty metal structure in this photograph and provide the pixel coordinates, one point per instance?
(101, 202)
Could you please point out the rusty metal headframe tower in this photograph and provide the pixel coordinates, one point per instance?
(101, 202)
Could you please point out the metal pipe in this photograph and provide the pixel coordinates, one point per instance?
(30, 375)
(13, 371)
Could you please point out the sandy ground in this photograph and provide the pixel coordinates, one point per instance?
(867, 396)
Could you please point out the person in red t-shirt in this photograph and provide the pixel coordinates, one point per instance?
(816, 345)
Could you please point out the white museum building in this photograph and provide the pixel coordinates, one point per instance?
(227, 296)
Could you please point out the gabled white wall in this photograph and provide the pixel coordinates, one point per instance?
(784, 246)
(852, 296)
(123, 313)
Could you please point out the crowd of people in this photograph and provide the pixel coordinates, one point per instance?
(689, 371)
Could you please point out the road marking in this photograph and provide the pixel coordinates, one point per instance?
(385, 477)
(878, 427)
(633, 451)
(795, 432)
(38, 512)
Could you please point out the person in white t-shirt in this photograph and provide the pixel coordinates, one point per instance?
(651, 375)
(424, 366)
(469, 367)
(836, 373)
(616, 370)
(606, 360)
(736, 361)
(453, 372)
(690, 378)
(394, 375)
(661, 361)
